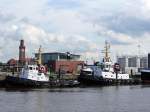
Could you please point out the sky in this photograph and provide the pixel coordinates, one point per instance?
(76, 26)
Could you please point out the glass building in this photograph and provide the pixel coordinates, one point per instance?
(57, 56)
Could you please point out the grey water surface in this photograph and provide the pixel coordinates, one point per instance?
(89, 99)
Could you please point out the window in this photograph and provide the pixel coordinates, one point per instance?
(132, 62)
(39, 74)
(30, 68)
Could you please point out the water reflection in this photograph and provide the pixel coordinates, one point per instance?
(87, 99)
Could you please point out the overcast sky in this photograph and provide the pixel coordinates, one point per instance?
(77, 26)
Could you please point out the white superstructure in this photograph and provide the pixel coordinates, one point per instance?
(109, 73)
(34, 72)
(106, 69)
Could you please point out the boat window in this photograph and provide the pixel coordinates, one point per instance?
(86, 72)
(106, 70)
(30, 68)
(39, 74)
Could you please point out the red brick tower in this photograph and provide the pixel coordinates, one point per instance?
(22, 53)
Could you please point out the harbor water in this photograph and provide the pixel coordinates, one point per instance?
(85, 99)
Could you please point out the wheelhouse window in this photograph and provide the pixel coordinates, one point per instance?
(86, 72)
(30, 68)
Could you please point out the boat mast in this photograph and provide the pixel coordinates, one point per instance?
(39, 56)
(106, 52)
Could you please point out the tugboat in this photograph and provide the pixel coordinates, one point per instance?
(34, 75)
(145, 76)
(104, 74)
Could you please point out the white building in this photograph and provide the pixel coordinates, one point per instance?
(132, 64)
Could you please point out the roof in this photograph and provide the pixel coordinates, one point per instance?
(12, 62)
(58, 53)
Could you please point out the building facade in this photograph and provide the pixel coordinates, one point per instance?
(66, 62)
(148, 60)
(57, 56)
(132, 64)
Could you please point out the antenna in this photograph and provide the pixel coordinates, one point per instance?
(139, 49)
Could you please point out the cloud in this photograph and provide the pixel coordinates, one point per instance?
(71, 25)
(64, 4)
(6, 17)
(121, 16)
(35, 36)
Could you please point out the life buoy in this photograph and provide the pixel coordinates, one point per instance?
(42, 69)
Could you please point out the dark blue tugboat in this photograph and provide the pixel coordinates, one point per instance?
(145, 76)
